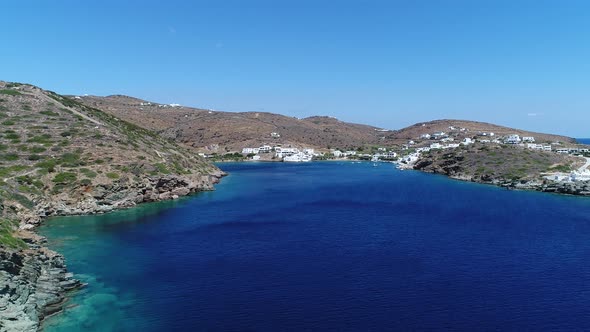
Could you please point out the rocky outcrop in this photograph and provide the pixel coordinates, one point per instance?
(450, 165)
(33, 285)
(123, 193)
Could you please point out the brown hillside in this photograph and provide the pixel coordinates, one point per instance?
(214, 130)
(472, 128)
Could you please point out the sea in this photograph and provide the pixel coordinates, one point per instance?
(331, 246)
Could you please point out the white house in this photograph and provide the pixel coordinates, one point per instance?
(528, 139)
(337, 153)
(275, 135)
(391, 155)
(534, 146)
(283, 152)
(512, 139)
(435, 146)
(439, 135)
(425, 136)
(309, 151)
(249, 150)
(467, 141)
(264, 149)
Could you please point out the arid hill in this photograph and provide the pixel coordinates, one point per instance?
(471, 129)
(227, 131)
(215, 131)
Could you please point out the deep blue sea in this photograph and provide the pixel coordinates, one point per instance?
(331, 247)
(583, 140)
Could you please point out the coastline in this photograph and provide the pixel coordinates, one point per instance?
(36, 281)
(563, 188)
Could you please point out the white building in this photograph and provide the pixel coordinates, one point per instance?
(436, 146)
(264, 149)
(512, 139)
(337, 153)
(534, 146)
(467, 141)
(439, 135)
(283, 152)
(391, 155)
(249, 150)
(425, 136)
(309, 151)
(528, 139)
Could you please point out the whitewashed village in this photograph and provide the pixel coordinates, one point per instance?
(406, 155)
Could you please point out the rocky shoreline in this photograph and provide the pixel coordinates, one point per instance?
(35, 283)
(566, 188)
(35, 280)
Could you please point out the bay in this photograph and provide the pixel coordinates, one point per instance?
(331, 246)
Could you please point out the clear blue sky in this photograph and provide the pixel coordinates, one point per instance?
(387, 63)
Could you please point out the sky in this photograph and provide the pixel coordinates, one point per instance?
(390, 64)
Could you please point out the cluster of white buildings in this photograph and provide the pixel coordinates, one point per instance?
(381, 154)
(540, 147)
(284, 153)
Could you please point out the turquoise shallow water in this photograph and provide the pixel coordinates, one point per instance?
(331, 246)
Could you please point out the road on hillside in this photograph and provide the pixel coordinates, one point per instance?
(586, 165)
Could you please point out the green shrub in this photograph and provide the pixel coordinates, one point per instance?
(9, 156)
(37, 149)
(41, 139)
(65, 178)
(88, 173)
(35, 157)
(11, 136)
(48, 165)
(112, 175)
(49, 113)
(10, 92)
(7, 238)
(162, 168)
(8, 122)
(70, 159)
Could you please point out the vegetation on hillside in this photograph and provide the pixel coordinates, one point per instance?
(53, 145)
(493, 162)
